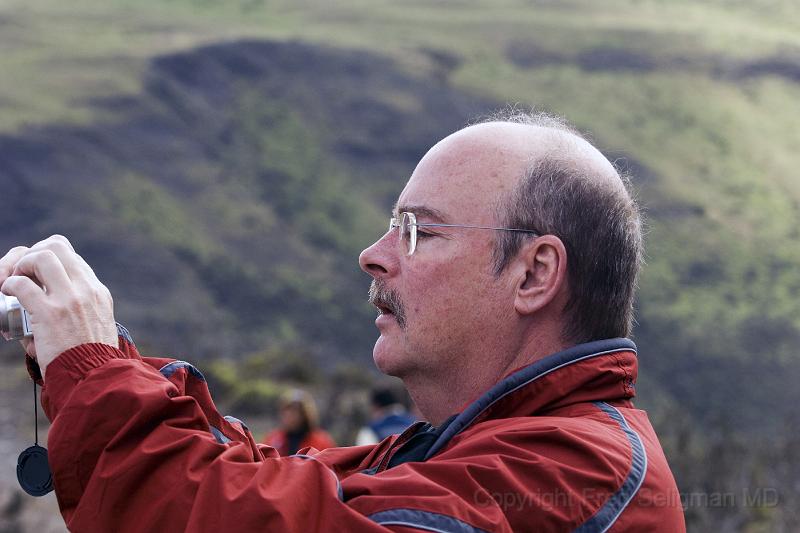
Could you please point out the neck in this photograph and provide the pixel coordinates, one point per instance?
(438, 395)
(435, 406)
(534, 349)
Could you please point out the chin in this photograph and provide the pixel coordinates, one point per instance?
(388, 359)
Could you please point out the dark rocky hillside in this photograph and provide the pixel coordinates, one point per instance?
(226, 206)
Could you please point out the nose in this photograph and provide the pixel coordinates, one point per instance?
(380, 259)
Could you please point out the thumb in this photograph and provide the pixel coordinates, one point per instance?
(29, 346)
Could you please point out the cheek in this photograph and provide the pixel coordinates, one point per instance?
(442, 296)
(452, 286)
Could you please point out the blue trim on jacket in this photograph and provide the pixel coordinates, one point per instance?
(523, 377)
(233, 419)
(605, 517)
(123, 332)
(170, 368)
(424, 520)
(221, 438)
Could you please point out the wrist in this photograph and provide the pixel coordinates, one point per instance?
(71, 367)
(77, 360)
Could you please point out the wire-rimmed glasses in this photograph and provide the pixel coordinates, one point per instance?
(407, 229)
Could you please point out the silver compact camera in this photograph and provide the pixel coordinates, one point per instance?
(15, 322)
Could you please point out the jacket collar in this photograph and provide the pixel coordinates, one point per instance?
(598, 370)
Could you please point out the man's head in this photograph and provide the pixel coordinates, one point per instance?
(472, 297)
(384, 396)
(573, 192)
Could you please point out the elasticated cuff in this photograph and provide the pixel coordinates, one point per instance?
(66, 370)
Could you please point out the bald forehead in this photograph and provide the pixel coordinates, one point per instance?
(476, 166)
(531, 143)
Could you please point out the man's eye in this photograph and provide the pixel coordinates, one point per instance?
(423, 234)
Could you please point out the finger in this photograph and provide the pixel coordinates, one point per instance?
(9, 260)
(54, 239)
(60, 245)
(29, 346)
(46, 268)
(78, 270)
(87, 271)
(30, 295)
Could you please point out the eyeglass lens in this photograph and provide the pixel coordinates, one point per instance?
(407, 231)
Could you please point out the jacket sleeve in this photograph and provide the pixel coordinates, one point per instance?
(130, 452)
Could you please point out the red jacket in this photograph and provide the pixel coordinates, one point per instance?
(137, 445)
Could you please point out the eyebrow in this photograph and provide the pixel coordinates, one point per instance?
(421, 211)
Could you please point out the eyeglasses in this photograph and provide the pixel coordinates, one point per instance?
(408, 225)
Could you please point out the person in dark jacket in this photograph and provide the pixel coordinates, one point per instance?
(389, 417)
(505, 288)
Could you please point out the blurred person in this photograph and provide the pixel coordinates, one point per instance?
(388, 417)
(505, 287)
(299, 425)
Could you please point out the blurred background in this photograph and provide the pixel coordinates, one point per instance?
(222, 164)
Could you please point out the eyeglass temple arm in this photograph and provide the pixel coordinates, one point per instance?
(474, 227)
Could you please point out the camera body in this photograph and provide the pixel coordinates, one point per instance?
(15, 321)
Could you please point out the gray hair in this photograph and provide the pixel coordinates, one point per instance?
(599, 224)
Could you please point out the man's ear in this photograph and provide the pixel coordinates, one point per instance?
(541, 272)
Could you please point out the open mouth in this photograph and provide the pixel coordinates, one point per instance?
(387, 302)
(383, 309)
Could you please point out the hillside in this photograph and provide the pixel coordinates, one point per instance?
(221, 167)
(227, 204)
(188, 158)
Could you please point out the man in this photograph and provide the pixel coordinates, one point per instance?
(389, 417)
(505, 287)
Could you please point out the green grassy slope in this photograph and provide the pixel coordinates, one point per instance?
(57, 56)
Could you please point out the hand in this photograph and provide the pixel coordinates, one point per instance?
(68, 305)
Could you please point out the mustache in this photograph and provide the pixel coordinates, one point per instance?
(382, 296)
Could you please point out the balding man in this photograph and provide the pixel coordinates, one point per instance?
(505, 287)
